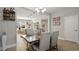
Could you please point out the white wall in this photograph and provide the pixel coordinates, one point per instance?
(63, 14)
(10, 28)
(23, 14)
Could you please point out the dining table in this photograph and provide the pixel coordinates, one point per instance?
(30, 39)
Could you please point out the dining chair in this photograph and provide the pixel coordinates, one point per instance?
(29, 32)
(44, 42)
(54, 39)
(0, 42)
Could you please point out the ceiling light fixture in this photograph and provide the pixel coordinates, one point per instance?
(40, 10)
(40, 7)
(44, 10)
(37, 10)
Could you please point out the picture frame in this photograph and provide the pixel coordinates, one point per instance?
(56, 21)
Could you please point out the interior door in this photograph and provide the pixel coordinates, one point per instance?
(71, 28)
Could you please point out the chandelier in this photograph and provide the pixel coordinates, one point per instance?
(40, 10)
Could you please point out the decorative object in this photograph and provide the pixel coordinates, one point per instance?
(9, 14)
(56, 21)
(29, 24)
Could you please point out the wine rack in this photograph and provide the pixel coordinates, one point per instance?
(9, 14)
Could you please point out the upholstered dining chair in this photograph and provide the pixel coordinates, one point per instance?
(0, 41)
(44, 43)
(29, 32)
(54, 38)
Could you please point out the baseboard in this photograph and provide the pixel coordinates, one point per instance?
(61, 38)
(67, 39)
(10, 46)
(78, 42)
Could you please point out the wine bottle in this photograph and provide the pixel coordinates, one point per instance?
(12, 14)
(4, 14)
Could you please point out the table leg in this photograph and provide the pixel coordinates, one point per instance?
(27, 46)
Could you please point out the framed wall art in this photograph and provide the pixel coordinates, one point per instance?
(56, 21)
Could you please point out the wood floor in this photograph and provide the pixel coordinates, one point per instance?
(63, 45)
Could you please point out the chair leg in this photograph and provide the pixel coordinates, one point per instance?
(56, 47)
(32, 48)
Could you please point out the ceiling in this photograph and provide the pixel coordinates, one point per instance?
(48, 11)
(52, 10)
(23, 12)
(30, 11)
